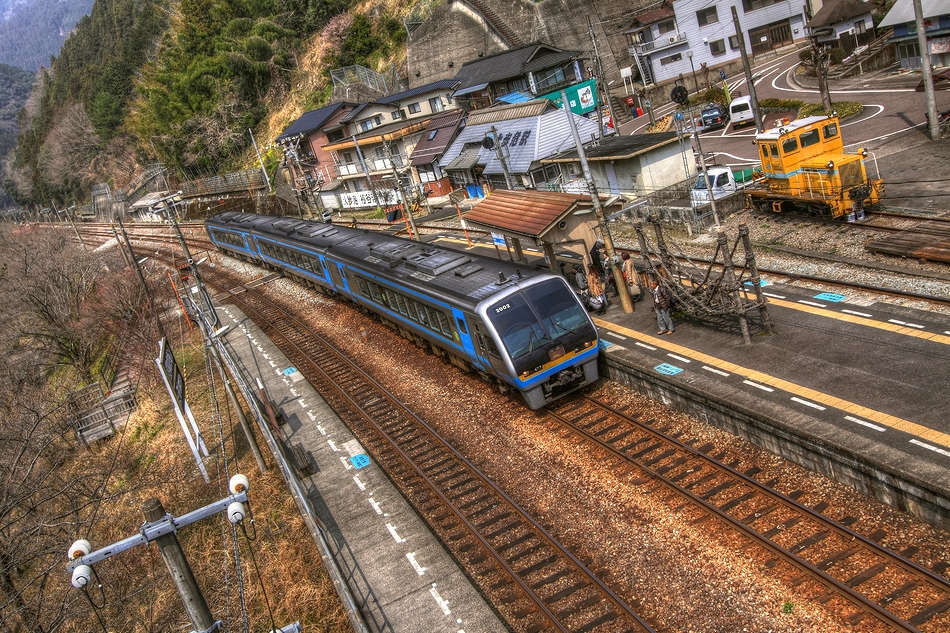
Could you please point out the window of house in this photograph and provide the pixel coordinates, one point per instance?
(549, 77)
(707, 16)
(435, 104)
(414, 108)
(666, 27)
(675, 57)
(432, 134)
(752, 5)
(860, 27)
(380, 152)
(366, 125)
(397, 115)
(718, 47)
(347, 158)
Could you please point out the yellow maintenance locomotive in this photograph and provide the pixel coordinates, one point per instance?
(806, 170)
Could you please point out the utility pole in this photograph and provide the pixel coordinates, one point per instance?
(748, 71)
(501, 155)
(402, 194)
(261, 160)
(702, 164)
(598, 210)
(599, 70)
(926, 72)
(369, 181)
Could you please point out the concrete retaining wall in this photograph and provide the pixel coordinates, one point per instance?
(785, 436)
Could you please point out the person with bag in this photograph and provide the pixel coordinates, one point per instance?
(631, 278)
(662, 302)
(596, 288)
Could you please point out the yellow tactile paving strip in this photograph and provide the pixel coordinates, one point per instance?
(860, 320)
(930, 435)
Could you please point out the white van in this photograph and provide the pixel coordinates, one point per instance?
(740, 111)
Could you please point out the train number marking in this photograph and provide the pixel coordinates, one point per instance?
(502, 308)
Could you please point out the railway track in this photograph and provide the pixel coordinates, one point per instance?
(823, 557)
(533, 581)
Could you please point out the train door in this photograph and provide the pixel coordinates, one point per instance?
(465, 340)
(337, 274)
(487, 350)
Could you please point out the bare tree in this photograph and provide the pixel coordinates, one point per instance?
(821, 57)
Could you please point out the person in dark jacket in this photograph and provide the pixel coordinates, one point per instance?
(662, 302)
(596, 259)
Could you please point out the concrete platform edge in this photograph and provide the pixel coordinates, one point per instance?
(785, 433)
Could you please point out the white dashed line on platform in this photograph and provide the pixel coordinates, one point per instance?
(808, 404)
(715, 371)
(812, 303)
(615, 335)
(861, 314)
(685, 360)
(653, 349)
(769, 294)
(757, 385)
(931, 447)
(865, 423)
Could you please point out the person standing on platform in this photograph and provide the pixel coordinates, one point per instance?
(596, 288)
(630, 277)
(596, 258)
(662, 302)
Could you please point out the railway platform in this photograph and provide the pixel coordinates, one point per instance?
(856, 391)
(400, 576)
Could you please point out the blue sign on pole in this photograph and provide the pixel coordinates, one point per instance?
(722, 75)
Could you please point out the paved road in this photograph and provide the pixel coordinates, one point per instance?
(891, 127)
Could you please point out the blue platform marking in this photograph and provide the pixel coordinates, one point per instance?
(830, 296)
(359, 461)
(762, 283)
(289, 371)
(669, 370)
(602, 344)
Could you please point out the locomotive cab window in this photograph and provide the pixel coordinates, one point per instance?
(809, 138)
(830, 130)
(789, 145)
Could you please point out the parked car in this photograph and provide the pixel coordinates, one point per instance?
(740, 111)
(714, 116)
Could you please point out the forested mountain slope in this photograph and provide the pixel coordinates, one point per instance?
(181, 83)
(32, 31)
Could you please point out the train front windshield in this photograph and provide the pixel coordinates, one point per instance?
(541, 324)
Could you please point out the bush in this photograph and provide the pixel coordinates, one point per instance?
(844, 109)
(804, 55)
(837, 55)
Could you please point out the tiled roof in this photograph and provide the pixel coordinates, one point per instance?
(310, 121)
(511, 111)
(834, 11)
(651, 17)
(442, 84)
(509, 64)
(427, 150)
(529, 213)
(616, 147)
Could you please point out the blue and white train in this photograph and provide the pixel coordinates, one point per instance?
(514, 324)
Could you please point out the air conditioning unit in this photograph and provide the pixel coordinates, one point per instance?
(672, 39)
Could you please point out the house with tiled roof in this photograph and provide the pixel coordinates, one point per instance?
(355, 152)
(424, 159)
(504, 145)
(845, 23)
(532, 70)
(631, 166)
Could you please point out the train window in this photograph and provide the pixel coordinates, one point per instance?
(461, 325)
(789, 145)
(363, 287)
(375, 293)
(809, 138)
(830, 130)
(401, 305)
(765, 151)
(773, 148)
(561, 314)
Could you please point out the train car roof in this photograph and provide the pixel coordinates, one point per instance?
(780, 130)
(446, 271)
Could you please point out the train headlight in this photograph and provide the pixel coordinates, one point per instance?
(831, 165)
(864, 153)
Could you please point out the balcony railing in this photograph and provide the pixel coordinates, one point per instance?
(664, 41)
